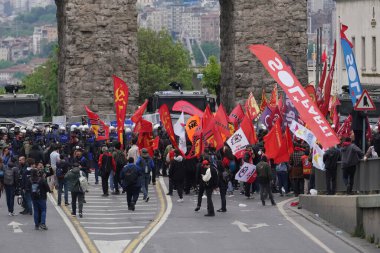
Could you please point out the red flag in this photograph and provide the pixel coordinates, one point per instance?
(336, 119)
(139, 112)
(121, 93)
(286, 149)
(343, 35)
(249, 130)
(345, 129)
(186, 107)
(156, 142)
(167, 123)
(311, 91)
(324, 56)
(328, 85)
(273, 102)
(211, 137)
(281, 105)
(273, 141)
(264, 102)
(274, 117)
(145, 140)
(221, 121)
(236, 116)
(308, 111)
(251, 106)
(101, 130)
(319, 90)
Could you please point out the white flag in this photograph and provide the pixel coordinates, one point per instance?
(318, 157)
(237, 142)
(303, 133)
(245, 173)
(179, 130)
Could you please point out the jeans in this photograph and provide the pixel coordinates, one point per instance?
(116, 179)
(96, 166)
(39, 207)
(28, 202)
(74, 197)
(111, 179)
(265, 188)
(132, 194)
(10, 194)
(331, 181)
(62, 185)
(144, 184)
(105, 177)
(283, 180)
(348, 177)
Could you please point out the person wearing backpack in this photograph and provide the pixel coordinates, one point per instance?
(73, 185)
(106, 164)
(177, 174)
(31, 164)
(62, 168)
(39, 189)
(130, 176)
(264, 178)
(146, 165)
(121, 161)
(10, 180)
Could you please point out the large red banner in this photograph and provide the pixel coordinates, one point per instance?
(120, 90)
(307, 109)
(186, 107)
(101, 130)
(167, 123)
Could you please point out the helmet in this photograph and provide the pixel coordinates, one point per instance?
(81, 127)
(128, 130)
(62, 128)
(72, 128)
(86, 127)
(112, 128)
(155, 127)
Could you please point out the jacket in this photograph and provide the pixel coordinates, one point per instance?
(72, 179)
(43, 185)
(223, 175)
(177, 169)
(264, 173)
(10, 175)
(133, 152)
(124, 171)
(331, 158)
(141, 164)
(213, 182)
(112, 165)
(351, 154)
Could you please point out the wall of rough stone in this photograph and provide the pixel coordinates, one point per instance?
(97, 38)
(280, 24)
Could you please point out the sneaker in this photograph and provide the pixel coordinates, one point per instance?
(132, 206)
(24, 212)
(105, 195)
(43, 227)
(154, 183)
(80, 215)
(210, 214)
(197, 208)
(73, 215)
(147, 199)
(66, 204)
(96, 182)
(169, 194)
(221, 210)
(84, 201)
(180, 200)
(36, 227)
(11, 214)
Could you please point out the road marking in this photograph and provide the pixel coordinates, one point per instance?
(259, 225)
(138, 244)
(119, 210)
(111, 246)
(110, 228)
(121, 233)
(194, 232)
(16, 227)
(120, 218)
(110, 223)
(111, 214)
(82, 244)
(302, 229)
(241, 226)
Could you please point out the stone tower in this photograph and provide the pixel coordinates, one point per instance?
(98, 38)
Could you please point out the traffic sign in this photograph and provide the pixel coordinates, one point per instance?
(365, 103)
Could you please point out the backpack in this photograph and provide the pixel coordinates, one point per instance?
(145, 165)
(59, 172)
(131, 176)
(120, 159)
(106, 163)
(83, 183)
(36, 191)
(9, 176)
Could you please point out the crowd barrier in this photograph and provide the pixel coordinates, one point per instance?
(367, 177)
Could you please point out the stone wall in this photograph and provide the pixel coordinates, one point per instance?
(280, 24)
(97, 38)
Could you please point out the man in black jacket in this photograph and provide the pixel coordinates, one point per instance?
(330, 159)
(177, 174)
(209, 180)
(351, 155)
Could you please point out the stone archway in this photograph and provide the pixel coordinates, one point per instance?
(98, 38)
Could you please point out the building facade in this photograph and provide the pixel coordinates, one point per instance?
(47, 33)
(364, 33)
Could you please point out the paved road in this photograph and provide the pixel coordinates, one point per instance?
(262, 229)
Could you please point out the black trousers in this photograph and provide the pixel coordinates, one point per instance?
(179, 186)
(105, 177)
(331, 181)
(210, 205)
(223, 192)
(298, 186)
(200, 194)
(247, 189)
(116, 179)
(348, 177)
(74, 197)
(132, 194)
(265, 189)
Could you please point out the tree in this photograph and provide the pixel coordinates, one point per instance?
(211, 74)
(44, 81)
(161, 61)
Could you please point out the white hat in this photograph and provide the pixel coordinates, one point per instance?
(128, 130)
(156, 126)
(62, 128)
(73, 127)
(112, 128)
(86, 127)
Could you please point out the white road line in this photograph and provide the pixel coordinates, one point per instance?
(73, 231)
(302, 229)
(111, 228)
(117, 210)
(121, 233)
(160, 223)
(120, 218)
(111, 214)
(111, 223)
(110, 202)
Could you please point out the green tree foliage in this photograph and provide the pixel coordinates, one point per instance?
(5, 64)
(209, 49)
(44, 81)
(211, 74)
(161, 61)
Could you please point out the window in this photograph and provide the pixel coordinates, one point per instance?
(363, 53)
(373, 53)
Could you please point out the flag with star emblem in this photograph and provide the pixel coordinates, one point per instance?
(303, 133)
(121, 93)
(318, 157)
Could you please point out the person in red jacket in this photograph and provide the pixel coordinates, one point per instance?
(107, 165)
(306, 169)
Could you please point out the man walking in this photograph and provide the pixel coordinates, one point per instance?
(264, 178)
(107, 165)
(130, 175)
(10, 183)
(73, 185)
(351, 155)
(146, 165)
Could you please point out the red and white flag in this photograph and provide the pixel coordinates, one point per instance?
(237, 142)
(247, 173)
